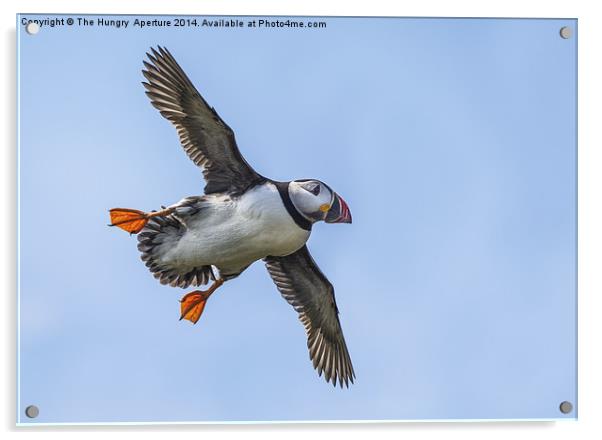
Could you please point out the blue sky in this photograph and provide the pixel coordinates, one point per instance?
(453, 142)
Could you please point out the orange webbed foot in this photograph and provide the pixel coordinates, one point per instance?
(193, 303)
(130, 220)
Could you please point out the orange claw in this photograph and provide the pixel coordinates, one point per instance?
(130, 220)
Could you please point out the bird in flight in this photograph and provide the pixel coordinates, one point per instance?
(242, 217)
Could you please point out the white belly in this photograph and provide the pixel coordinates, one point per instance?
(231, 234)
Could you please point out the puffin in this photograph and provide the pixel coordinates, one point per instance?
(241, 217)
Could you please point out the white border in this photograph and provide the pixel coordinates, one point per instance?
(590, 212)
(18, 254)
(292, 422)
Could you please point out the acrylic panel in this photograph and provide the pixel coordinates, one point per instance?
(441, 200)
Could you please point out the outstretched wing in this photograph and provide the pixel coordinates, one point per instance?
(305, 287)
(206, 138)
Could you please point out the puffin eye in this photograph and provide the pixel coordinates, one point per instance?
(312, 187)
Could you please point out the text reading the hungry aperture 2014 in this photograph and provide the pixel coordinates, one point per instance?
(175, 22)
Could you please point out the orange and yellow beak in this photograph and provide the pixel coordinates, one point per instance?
(338, 212)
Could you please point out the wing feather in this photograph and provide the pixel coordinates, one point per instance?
(305, 287)
(207, 140)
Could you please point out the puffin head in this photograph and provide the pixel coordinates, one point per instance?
(315, 201)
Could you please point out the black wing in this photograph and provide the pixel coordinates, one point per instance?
(305, 287)
(206, 138)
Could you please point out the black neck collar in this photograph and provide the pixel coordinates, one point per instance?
(301, 221)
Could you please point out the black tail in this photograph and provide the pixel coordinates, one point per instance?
(160, 235)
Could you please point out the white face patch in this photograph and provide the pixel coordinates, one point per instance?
(311, 198)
